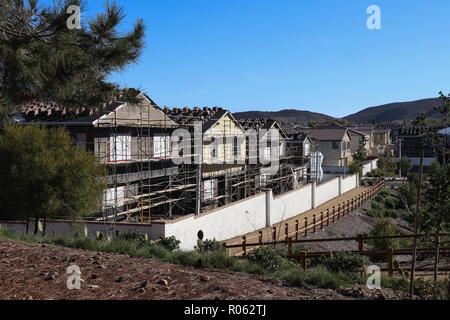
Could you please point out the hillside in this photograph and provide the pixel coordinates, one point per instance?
(388, 112)
(33, 271)
(397, 111)
(288, 115)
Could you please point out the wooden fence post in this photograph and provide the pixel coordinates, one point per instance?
(274, 234)
(290, 247)
(334, 213)
(390, 257)
(348, 206)
(314, 223)
(260, 237)
(360, 242)
(339, 211)
(306, 226)
(244, 245)
(296, 229)
(321, 220)
(286, 230)
(328, 217)
(303, 259)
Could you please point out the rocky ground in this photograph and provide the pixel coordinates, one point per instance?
(35, 271)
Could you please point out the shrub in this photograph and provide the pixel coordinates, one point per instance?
(355, 168)
(132, 236)
(407, 194)
(190, 258)
(385, 192)
(376, 205)
(344, 262)
(208, 246)
(270, 258)
(170, 243)
(218, 260)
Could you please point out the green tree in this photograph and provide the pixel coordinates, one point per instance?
(312, 124)
(41, 59)
(405, 166)
(435, 213)
(355, 168)
(361, 154)
(44, 175)
(387, 165)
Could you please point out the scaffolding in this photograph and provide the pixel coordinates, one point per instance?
(144, 184)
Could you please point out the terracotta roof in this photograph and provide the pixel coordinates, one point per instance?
(327, 133)
(208, 116)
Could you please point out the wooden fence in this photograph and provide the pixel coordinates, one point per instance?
(302, 228)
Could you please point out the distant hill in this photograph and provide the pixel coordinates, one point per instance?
(288, 115)
(397, 111)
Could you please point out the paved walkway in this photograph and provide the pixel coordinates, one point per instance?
(267, 235)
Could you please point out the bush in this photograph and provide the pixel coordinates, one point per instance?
(384, 227)
(170, 243)
(270, 258)
(209, 246)
(134, 236)
(344, 262)
(407, 194)
(385, 192)
(318, 276)
(355, 168)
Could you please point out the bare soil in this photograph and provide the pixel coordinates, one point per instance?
(34, 271)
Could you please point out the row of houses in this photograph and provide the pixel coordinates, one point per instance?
(338, 143)
(150, 176)
(165, 163)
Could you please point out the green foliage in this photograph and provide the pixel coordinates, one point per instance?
(385, 192)
(133, 236)
(426, 289)
(312, 124)
(270, 258)
(361, 154)
(386, 166)
(208, 246)
(384, 227)
(377, 173)
(318, 276)
(170, 243)
(41, 59)
(43, 174)
(405, 166)
(407, 194)
(435, 213)
(355, 168)
(344, 262)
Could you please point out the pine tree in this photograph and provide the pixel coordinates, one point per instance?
(41, 59)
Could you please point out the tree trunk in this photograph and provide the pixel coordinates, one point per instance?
(36, 227)
(436, 260)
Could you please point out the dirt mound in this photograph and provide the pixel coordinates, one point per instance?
(35, 271)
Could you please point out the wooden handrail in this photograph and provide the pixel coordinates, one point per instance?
(341, 211)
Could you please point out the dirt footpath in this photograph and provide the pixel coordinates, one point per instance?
(35, 271)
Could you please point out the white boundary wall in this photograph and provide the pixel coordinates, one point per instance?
(291, 204)
(327, 191)
(229, 221)
(223, 223)
(349, 183)
(370, 166)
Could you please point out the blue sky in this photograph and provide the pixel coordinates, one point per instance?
(315, 55)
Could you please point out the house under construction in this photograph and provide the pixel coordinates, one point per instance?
(135, 144)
